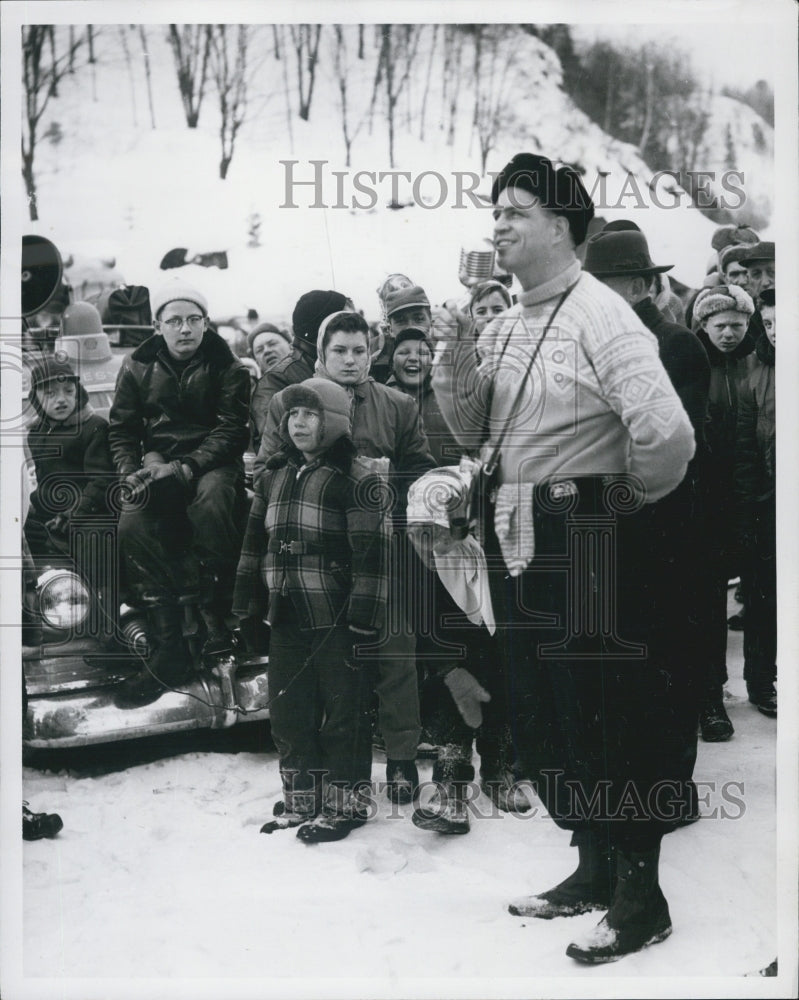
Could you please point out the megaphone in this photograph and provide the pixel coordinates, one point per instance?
(41, 273)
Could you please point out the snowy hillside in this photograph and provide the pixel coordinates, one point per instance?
(107, 178)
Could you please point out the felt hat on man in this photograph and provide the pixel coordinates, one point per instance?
(612, 253)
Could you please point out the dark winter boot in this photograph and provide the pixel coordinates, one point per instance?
(296, 809)
(714, 723)
(35, 826)
(402, 781)
(167, 666)
(342, 812)
(588, 888)
(447, 811)
(764, 698)
(215, 594)
(505, 792)
(638, 915)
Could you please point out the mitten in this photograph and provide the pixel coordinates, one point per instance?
(467, 693)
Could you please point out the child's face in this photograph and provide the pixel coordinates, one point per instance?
(767, 312)
(485, 309)
(411, 362)
(58, 398)
(305, 430)
(726, 329)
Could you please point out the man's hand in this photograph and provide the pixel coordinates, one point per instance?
(58, 525)
(468, 694)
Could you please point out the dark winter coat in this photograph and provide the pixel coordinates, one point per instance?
(729, 374)
(385, 424)
(443, 446)
(755, 447)
(295, 368)
(318, 534)
(73, 462)
(199, 416)
(685, 361)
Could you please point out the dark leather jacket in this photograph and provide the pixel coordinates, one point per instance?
(199, 417)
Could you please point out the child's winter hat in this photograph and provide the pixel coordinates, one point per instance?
(52, 368)
(174, 292)
(311, 309)
(413, 333)
(327, 398)
(722, 298)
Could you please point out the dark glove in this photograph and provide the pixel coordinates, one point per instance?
(468, 694)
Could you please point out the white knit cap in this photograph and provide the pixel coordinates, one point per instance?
(176, 291)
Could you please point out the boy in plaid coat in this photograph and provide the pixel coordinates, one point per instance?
(316, 553)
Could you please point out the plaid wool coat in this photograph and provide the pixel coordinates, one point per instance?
(337, 517)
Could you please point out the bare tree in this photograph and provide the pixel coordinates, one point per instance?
(423, 112)
(396, 59)
(190, 47)
(146, 50)
(126, 50)
(342, 74)
(228, 67)
(41, 74)
(453, 52)
(494, 66)
(305, 38)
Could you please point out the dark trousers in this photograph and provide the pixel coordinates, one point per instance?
(166, 538)
(760, 623)
(320, 714)
(590, 714)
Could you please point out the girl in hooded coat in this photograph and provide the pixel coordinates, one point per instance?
(317, 546)
(69, 446)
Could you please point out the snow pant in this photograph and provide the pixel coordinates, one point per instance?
(320, 712)
(589, 714)
(760, 623)
(394, 654)
(175, 539)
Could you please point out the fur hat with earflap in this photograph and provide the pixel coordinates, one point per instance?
(327, 398)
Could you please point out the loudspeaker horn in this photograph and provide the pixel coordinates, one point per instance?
(41, 273)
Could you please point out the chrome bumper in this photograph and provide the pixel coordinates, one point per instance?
(215, 699)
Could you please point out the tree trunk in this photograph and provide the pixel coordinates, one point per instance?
(423, 112)
(148, 75)
(30, 184)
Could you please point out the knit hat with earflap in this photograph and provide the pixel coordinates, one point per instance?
(327, 398)
(54, 368)
(177, 292)
(722, 298)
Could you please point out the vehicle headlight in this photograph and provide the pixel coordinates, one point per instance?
(63, 599)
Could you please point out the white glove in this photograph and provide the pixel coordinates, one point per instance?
(467, 693)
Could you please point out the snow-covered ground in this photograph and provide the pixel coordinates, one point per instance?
(161, 872)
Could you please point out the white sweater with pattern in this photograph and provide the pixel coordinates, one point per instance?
(597, 401)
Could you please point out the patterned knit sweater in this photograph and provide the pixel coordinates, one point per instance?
(597, 401)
